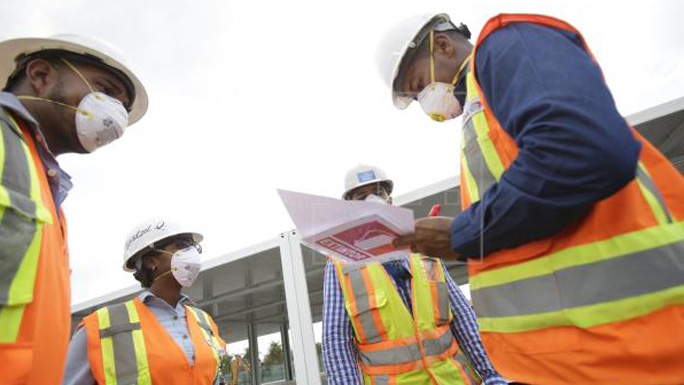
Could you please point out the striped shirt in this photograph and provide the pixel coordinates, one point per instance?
(339, 347)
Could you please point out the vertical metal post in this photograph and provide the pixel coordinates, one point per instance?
(253, 353)
(286, 350)
(299, 310)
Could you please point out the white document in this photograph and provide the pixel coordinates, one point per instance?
(350, 230)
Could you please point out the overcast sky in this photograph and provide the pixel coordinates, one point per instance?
(249, 96)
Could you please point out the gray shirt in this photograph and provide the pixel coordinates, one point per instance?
(173, 320)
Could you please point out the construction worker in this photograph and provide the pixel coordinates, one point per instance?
(405, 321)
(235, 366)
(159, 337)
(62, 94)
(571, 221)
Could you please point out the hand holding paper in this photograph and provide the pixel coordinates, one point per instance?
(351, 230)
(432, 238)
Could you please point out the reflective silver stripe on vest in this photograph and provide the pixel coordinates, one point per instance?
(631, 275)
(125, 361)
(382, 380)
(476, 162)
(391, 356)
(409, 353)
(439, 345)
(467, 367)
(442, 302)
(18, 224)
(429, 268)
(363, 306)
(647, 182)
(110, 331)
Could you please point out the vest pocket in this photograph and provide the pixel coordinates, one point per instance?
(364, 314)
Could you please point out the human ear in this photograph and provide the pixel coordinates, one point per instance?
(41, 76)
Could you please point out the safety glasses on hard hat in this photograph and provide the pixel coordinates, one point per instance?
(181, 243)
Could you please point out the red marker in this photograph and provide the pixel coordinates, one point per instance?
(434, 211)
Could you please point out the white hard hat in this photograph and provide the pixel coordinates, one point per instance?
(363, 175)
(147, 233)
(400, 42)
(11, 51)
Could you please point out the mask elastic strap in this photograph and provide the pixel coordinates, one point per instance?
(80, 75)
(432, 62)
(35, 98)
(162, 274)
(460, 69)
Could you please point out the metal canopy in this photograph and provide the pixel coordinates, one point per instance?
(663, 126)
(247, 286)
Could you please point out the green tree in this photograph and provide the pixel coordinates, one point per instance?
(275, 354)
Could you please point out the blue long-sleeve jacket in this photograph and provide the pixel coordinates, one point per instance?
(575, 147)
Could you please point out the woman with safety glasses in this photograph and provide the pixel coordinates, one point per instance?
(158, 337)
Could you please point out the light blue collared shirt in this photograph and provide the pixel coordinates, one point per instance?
(173, 320)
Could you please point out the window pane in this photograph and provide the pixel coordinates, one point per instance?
(272, 358)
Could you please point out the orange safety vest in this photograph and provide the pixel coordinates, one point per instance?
(601, 302)
(127, 344)
(393, 346)
(34, 299)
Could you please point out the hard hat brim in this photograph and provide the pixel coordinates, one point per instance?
(197, 237)
(11, 49)
(387, 182)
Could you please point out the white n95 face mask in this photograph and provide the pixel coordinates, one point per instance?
(376, 199)
(186, 265)
(437, 99)
(439, 102)
(100, 120)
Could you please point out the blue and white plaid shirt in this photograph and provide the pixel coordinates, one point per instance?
(339, 347)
